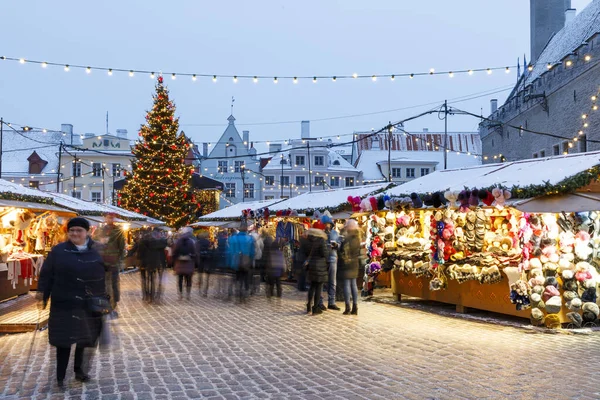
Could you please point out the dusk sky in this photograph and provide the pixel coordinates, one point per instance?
(273, 38)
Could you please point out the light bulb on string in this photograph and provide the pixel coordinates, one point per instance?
(110, 72)
(411, 76)
(507, 70)
(393, 77)
(451, 74)
(587, 57)
(334, 78)
(314, 79)
(235, 79)
(275, 80)
(355, 75)
(489, 71)
(44, 64)
(470, 72)
(21, 60)
(374, 78)
(67, 68)
(295, 80)
(255, 79)
(173, 76)
(88, 70)
(214, 78)
(131, 73)
(151, 75)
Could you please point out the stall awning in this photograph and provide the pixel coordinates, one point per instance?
(575, 202)
(216, 224)
(36, 207)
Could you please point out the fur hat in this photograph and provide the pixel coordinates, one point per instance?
(589, 316)
(575, 319)
(553, 305)
(552, 321)
(416, 200)
(550, 292)
(438, 199)
(551, 281)
(537, 317)
(486, 197)
(325, 219)
(574, 305)
(474, 198)
(567, 274)
(589, 295)
(570, 284)
(351, 224)
(569, 295)
(539, 289)
(591, 307)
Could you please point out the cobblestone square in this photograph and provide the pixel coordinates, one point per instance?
(270, 349)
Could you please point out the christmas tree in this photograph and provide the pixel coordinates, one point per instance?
(159, 183)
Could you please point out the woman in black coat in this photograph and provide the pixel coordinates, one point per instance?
(317, 254)
(151, 253)
(348, 271)
(73, 271)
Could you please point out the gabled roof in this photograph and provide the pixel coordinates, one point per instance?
(230, 132)
(369, 160)
(18, 147)
(585, 25)
(335, 160)
(547, 173)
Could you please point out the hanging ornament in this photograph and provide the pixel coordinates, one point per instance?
(160, 79)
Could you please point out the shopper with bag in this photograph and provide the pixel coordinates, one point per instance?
(185, 259)
(73, 278)
(316, 264)
(350, 254)
(241, 253)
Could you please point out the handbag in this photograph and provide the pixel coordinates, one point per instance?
(99, 305)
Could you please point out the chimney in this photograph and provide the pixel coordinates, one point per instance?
(274, 148)
(246, 137)
(493, 105)
(425, 130)
(205, 149)
(305, 130)
(570, 15)
(547, 17)
(67, 130)
(122, 133)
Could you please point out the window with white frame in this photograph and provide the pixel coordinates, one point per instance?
(269, 197)
(222, 167)
(556, 150)
(565, 147)
(396, 173)
(424, 171)
(319, 161)
(116, 169)
(349, 181)
(96, 170)
(238, 166)
(542, 153)
(269, 180)
(76, 194)
(319, 181)
(410, 172)
(300, 181)
(230, 190)
(334, 181)
(248, 190)
(285, 181)
(97, 197)
(300, 160)
(582, 143)
(76, 169)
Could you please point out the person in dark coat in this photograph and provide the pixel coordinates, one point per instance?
(73, 271)
(151, 252)
(273, 269)
(316, 262)
(299, 258)
(185, 259)
(350, 265)
(205, 260)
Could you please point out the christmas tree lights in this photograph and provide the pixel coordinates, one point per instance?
(159, 184)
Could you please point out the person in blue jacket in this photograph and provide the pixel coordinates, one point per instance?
(241, 255)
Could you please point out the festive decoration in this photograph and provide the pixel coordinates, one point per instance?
(152, 191)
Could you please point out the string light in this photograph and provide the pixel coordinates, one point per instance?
(235, 79)
(194, 77)
(214, 78)
(275, 80)
(470, 72)
(110, 72)
(44, 64)
(173, 76)
(355, 75)
(67, 68)
(587, 57)
(507, 70)
(314, 79)
(451, 74)
(151, 75)
(131, 73)
(489, 71)
(88, 70)
(255, 79)
(374, 78)
(295, 80)
(568, 63)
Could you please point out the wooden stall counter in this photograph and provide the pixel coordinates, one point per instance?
(471, 294)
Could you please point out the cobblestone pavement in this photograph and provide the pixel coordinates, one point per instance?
(211, 348)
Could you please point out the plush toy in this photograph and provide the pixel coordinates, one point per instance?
(500, 196)
(355, 203)
(380, 203)
(582, 245)
(438, 199)
(486, 197)
(452, 197)
(416, 200)
(373, 202)
(428, 200)
(474, 198)
(463, 199)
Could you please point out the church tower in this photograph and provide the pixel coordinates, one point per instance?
(546, 18)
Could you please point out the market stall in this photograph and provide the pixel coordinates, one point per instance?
(31, 225)
(523, 240)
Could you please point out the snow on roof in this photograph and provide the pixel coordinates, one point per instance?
(568, 39)
(342, 164)
(235, 211)
(15, 188)
(18, 146)
(77, 204)
(518, 173)
(369, 159)
(323, 199)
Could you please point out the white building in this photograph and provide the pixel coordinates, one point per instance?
(233, 161)
(306, 165)
(89, 171)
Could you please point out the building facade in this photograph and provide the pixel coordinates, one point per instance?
(90, 171)
(551, 110)
(233, 162)
(306, 165)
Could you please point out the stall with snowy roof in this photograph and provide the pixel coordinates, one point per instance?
(30, 227)
(519, 238)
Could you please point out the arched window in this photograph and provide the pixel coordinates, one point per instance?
(336, 162)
